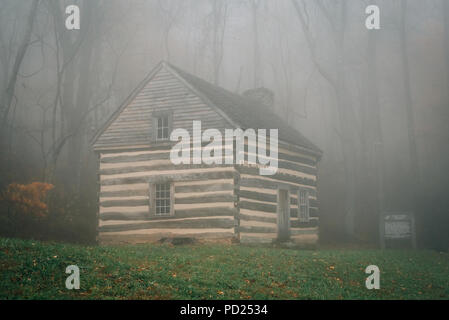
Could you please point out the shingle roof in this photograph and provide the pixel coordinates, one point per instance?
(245, 111)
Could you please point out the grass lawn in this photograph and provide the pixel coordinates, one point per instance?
(34, 270)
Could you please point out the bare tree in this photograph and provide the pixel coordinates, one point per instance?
(445, 7)
(171, 11)
(254, 5)
(371, 141)
(8, 94)
(415, 170)
(220, 12)
(334, 73)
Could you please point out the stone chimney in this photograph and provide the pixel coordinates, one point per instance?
(264, 95)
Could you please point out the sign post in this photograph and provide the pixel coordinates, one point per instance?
(397, 226)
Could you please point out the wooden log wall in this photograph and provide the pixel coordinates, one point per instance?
(203, 198)
(204, 195)
(257, 198)
(212, 200)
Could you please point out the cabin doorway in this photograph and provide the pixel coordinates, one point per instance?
(283, 220)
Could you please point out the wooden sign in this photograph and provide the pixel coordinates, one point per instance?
(397, 226)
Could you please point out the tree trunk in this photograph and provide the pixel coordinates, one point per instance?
(256, 49)
(10, 89)
(6, 97)
(336, 78)
(370, 187)
(415, 174)
(76, 121)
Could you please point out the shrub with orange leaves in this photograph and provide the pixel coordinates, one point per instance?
(28, 199)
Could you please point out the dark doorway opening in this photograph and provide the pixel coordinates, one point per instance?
(283, 220)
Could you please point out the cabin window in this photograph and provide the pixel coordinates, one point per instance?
(303, 205)
(162, 128)
(161, 199)
(162, 123)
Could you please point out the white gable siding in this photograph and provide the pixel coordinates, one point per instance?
(164, 92)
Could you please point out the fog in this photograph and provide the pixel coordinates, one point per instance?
(375, 101)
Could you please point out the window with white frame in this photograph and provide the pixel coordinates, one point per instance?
(163, 201)
(162, 125)
(303, 205)
(163, 128)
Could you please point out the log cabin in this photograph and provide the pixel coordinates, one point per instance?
(144, 197)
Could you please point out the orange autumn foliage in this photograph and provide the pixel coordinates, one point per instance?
(28, 198)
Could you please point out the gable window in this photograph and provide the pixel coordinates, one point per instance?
(161, 199)
(162, 128)
(303, 205)
(162, 123)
